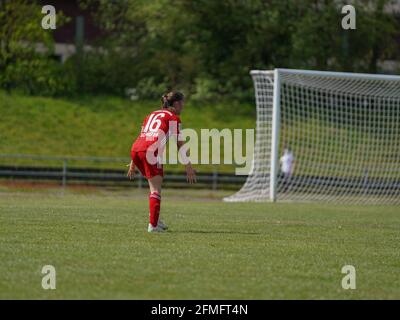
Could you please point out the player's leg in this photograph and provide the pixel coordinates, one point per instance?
(285, 182)
(154, 174)
(289, 182)
(155, 184)
(137, 160)
(155, 202)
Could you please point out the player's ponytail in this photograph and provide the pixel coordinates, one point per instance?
(168, 99)
(164, 101)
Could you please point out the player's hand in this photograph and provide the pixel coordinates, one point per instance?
(131, 170)
(190, 174)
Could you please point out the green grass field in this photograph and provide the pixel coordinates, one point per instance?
(98, 243)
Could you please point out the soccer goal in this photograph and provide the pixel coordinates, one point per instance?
(325, 136)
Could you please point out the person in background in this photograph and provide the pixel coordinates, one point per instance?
(287, 167)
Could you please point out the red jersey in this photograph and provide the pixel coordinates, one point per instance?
(158, 124)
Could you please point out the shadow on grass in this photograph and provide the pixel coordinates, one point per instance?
(215, 232)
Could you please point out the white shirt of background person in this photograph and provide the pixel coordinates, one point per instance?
(287, 161)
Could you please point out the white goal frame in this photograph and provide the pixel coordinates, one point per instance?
(262, 182)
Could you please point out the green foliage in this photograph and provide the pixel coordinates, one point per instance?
(205, 48)
(205, 90)
(320, 42)
(102, 72)
(208, 47)
(21, 66)
(148, 88)
(39, 76)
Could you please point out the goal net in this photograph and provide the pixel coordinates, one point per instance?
(325, 136)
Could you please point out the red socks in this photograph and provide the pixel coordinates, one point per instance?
(154, 203)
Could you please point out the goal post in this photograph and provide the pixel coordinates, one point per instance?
(275, 135)
(326, 137)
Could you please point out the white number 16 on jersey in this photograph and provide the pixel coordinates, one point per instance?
(154, 122)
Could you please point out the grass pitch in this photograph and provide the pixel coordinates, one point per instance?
(100, 248)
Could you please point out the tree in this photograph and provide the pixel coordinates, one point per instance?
(21, 66)
(320, 42)
(204, 47)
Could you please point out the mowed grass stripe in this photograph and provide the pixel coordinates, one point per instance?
(100, 248)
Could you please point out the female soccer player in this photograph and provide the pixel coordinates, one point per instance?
(157, 127)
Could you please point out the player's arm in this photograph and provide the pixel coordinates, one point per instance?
(131, 170)
(190, 172)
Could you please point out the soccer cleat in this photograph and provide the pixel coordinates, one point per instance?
(154, 229)
(162, 225)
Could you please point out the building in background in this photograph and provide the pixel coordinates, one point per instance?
(81, 29)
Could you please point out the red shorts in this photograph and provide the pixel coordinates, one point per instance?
(146, 169)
